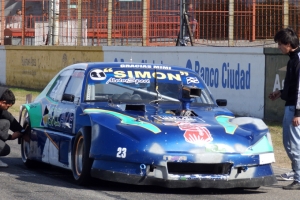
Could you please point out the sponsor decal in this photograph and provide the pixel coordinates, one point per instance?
(174, 158)
(98, 75)
(195, 133)
(147, 75)
(200, 177)
(221, 148)
(45, 117)
(145, 66)
(78, 74)
(192, 80)
(129, 80)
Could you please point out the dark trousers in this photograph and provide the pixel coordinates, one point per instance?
(4, 127)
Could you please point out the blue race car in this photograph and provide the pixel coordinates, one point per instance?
(144, 124)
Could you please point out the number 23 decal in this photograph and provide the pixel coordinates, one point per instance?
(121, 152)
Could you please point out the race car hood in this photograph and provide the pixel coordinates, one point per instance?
(208, 130)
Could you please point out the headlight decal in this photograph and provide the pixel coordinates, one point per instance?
(224, 121)
(125, 119)
(262, 146)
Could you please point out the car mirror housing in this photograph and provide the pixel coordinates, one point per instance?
(190, 92)
(221, 102)
(68, 97)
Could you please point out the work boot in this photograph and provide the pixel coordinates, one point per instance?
(293, 186)
(3, 164)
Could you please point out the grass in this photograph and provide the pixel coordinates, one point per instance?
(281, 158)
(20, 95)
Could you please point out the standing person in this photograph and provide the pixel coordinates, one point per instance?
(192, 21)
(191, 17)
(30, 21)
(17, 18)
(7, 121)
(45, 16)
(288, 43)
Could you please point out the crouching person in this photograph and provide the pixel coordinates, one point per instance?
(7, 122)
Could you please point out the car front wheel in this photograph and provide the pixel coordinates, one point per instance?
(81, 163)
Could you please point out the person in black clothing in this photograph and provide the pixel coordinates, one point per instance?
(288, 43)
(7, 121)
(30, 21)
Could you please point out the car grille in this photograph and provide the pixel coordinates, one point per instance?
(198, 168)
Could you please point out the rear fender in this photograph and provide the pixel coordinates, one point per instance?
(34, 111)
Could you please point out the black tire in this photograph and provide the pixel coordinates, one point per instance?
(25, 148)
(81, 163)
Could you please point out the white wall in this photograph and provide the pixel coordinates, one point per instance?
(245, 92)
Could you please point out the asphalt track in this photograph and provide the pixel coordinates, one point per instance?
(19, 182)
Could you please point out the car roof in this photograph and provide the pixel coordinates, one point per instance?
(133, 65)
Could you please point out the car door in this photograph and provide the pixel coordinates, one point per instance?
(51, 141)
(66, 108)
(54, 97)
(64, 113)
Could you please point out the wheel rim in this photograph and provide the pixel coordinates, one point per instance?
(25, 146)
(25, 150)
(79, 155)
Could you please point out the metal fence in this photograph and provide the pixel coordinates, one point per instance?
(145, 22)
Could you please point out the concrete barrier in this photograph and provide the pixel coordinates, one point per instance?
(34, 67)
(275, 74)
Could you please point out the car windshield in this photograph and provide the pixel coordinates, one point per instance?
(123, 85)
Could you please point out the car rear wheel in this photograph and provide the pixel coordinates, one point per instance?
(81, 163)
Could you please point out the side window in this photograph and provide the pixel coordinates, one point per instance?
(75, 84)
(59, 85)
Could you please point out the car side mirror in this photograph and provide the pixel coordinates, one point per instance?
(68, 97)
(221, 102)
